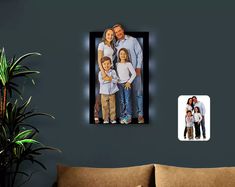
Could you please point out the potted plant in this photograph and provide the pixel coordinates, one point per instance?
(18, 141)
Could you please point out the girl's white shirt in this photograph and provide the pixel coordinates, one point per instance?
(197, 117)
(124, 70)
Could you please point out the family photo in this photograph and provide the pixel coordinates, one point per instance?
(194, 118)
(118, 76)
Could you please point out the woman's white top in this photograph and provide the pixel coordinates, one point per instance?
(107, 50)
(189, 107)
(124, 70)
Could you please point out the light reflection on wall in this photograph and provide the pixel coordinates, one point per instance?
(86, 75)
(86, 92)
(86, 44)
(152, 72)
(86, 114)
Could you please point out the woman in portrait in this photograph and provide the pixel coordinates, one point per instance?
(189, 107)
(105, 48)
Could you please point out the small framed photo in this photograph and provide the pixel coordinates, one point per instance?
(194, 118)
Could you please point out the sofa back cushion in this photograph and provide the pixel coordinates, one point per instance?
(170, 176)
(106, 177)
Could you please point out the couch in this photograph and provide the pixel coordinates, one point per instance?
(151, 175)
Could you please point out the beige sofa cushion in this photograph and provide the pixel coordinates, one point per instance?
(170, 176)
(105, 177)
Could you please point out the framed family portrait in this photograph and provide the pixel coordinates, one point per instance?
(119, 77)
(194, 118)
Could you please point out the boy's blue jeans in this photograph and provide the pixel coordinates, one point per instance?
(125, 101)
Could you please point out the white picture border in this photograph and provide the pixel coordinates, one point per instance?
(182, 101)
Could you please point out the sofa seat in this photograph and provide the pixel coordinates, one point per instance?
(136, 176)
(151, 175)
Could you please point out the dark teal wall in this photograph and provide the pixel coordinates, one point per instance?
(193, 52)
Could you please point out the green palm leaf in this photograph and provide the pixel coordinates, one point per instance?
(26, 141)
(23, 135)
(30, 141)
(27, 125)
(24, 73)
(3, 68)
(13, 69)
(17, 138)
(3, 132)
(25, 105)
(22, 58)
(35, 114)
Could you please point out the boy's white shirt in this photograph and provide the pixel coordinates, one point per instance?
(108, 87)
(189, 121)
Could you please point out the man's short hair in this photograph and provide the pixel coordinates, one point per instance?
(118, 25)
(194, 97)
(105, 58)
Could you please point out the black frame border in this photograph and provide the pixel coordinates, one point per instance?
(92, 76)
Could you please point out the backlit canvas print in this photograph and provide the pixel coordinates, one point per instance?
(119, 76)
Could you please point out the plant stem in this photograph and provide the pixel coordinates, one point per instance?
(1, 103)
